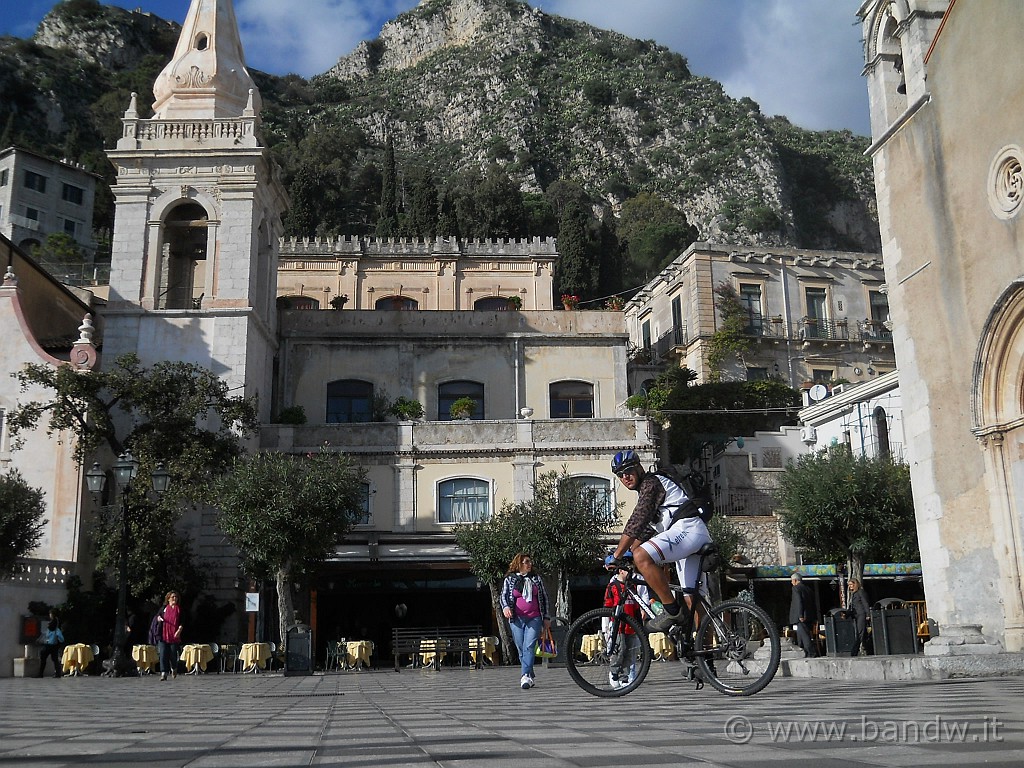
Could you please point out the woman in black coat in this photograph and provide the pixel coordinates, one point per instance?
(859, 611)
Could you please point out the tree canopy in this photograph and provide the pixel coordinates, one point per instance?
(561, 528)
(843, 507)
(178, 414)
(285, 513)
(21, 520)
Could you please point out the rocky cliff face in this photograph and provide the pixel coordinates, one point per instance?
(468, 82)
(111, 37)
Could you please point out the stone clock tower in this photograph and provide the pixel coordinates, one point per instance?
(198, 216)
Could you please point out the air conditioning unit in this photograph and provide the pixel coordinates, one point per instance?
(808, 435)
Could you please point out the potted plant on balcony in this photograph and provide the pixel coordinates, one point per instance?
(463, 408)
(405, 409)
(515, 303)
(570, 301)
(615, 303)
(339, 301)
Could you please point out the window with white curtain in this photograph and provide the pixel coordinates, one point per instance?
(463, 500)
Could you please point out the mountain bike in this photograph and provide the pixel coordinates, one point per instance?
(734, 646)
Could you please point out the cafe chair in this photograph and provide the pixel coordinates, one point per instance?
(335, 655)
(228, 658)
(274, 657)
(95, 659)
(215, 661)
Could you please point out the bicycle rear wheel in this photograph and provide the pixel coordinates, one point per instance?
(737, 648)
(607, 655)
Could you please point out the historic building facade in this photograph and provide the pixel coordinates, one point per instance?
(40, 196)
(811, 316)
(947, 141)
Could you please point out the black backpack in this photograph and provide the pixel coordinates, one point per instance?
(700, 501)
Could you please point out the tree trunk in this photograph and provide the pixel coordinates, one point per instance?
(508, 645)
(284, 603)
(563, 599)
(857, 567)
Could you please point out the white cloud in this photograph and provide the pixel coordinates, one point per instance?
(308, 36)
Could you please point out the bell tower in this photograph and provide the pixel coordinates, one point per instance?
(198, 215)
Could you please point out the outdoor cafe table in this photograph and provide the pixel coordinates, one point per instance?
(433, 652)
(487, 644)
(254, 656)
(663, 648)
(76, 658)
(591, 645)
(358, 652)
(196, 657)
(145, 658)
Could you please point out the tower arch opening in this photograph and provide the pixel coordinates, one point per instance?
(182, 277)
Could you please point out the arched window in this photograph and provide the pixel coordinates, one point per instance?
(463, 500)
(882, 431)
(183, 258)
(349, 401)
(297, 302)
(451, 391)
(597, 490)
(396, 302)
(572, 400)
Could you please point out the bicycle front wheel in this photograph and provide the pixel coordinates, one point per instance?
(737, 648)
(607, 655)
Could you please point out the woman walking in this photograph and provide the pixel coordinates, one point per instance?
(524, 601)
(170, 635)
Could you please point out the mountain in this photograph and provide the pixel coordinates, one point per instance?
(460, 86)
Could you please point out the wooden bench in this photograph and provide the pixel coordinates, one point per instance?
(437, 640)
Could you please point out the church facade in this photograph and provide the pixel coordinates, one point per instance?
(947, 140)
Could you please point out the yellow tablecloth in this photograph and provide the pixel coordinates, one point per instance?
(663, 648)
(254, 655)
(196, 655)
(590, 645)
(358, 652)
(489, 646)
(145, 657)
(76, 658)
(433, 651)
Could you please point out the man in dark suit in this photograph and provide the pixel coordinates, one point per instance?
(803, 616)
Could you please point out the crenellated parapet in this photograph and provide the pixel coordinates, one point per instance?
(353, 245)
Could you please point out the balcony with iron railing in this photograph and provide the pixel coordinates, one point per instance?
(811, 330)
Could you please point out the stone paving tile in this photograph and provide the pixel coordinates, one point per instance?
(475, 718)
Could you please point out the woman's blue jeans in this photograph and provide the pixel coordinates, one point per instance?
(168, 657)
(525, 632)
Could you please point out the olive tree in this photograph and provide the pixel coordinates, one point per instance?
(21, 520)
(286, 513)
(562, 528)
(847, 508)
(178, 414)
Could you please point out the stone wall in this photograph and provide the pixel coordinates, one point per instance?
(759, 539)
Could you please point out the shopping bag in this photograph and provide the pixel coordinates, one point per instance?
(546, 648)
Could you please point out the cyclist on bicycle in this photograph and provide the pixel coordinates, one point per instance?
(660, 530)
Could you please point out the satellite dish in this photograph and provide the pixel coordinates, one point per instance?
(818, 392)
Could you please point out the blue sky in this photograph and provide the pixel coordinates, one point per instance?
(798, 58)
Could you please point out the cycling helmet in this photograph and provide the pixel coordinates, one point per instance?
(624, 460)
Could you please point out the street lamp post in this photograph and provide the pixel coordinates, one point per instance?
(125, 469)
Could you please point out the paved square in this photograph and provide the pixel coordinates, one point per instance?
(465, 717)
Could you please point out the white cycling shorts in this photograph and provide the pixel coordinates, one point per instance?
(678, 545)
